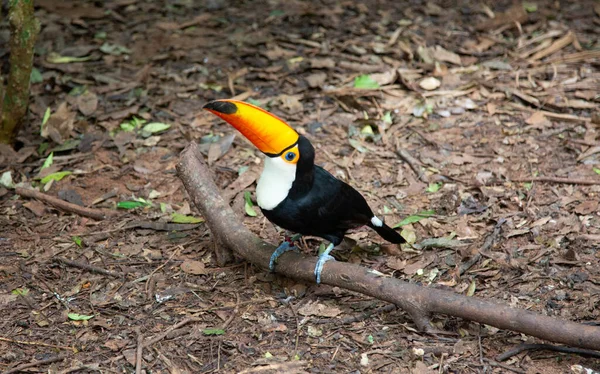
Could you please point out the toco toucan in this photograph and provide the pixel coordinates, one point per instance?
(292, 191)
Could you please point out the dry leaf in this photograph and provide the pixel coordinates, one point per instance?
(442, 54)
(193, 267)
(430, 83)
(87, 103)
(316, 79)
(587, 207)
(59, 125)
(315, 308)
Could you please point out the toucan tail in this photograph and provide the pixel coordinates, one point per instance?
(385, 231)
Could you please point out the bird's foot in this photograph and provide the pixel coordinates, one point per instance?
(323, 258)
(286, 246)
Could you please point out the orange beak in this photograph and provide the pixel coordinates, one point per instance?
(266, 131)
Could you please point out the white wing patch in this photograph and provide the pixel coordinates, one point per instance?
(274, 182)
(376, 222)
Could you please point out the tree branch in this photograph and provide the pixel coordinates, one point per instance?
(418, 301)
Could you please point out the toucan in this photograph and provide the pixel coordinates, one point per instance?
(293, 192)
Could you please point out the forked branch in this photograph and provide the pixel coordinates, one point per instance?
(418, 301)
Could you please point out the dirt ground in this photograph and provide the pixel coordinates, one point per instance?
(495, 103)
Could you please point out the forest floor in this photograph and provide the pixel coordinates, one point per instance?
(497, 104)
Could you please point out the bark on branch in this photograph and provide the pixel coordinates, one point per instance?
(418, 301)
(14, 98)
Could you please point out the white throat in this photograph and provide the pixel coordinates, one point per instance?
(274, 182)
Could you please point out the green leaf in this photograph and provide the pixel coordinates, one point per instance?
(78, 90)
(180, 218)
(367, 130)
(6, 180)
(78, 241)
(79, 317)
(68, 145)
(20, 291)
(254, 102)
(36, 76)
(434, 187)
(596, 170)
(387, 118)
(268, 355)
(249, 206)
(528, 185)
(48, 161)
(100, 35)
(213, 331)
(163, 207)
(356, 145)
(114, 49)
(408, 235)
(55, 176)
(132, 204)
(47, 114)
(365, 82)
(472, 288)
(415, 218)
(55, 58)
(370, 339)
(154, 127)
(530, 7)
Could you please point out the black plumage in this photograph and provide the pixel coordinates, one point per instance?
(321, 205)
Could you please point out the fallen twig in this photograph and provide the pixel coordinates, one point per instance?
(163, 334)
(64, 205)
(414, 164)
(548, 347)
(47, 361)
(586, 182)
(35, 343)
(139, 351)
(417, 300)
(88, 267)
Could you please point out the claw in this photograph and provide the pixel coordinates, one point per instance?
(284, 247)
(323, 258)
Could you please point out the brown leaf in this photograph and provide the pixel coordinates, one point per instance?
(587, 207)
(396, 263)
(316, 79)
(322, 63)
(442, 54)
(193, 267)
(219, 148)
(36, 207)
(87, 103)
(59, 125)
(315, 308)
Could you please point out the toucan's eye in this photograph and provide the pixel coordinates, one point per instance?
(290, 156)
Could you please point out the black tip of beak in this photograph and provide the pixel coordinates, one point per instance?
(224, 107)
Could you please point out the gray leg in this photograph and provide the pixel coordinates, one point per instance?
(323, 258)
(284, 247)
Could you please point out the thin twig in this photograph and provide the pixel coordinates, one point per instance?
(235, 311)
(414, 164)
(163, 334)
(35, 343)
(586, 182)
(89, 268)
(64, 205)
(37, 363)
(548, 347)
(161, 266)
(140, 349)
(504, 366)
